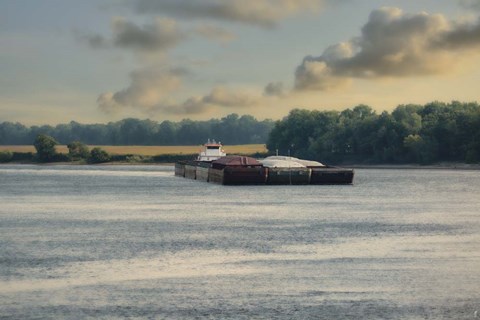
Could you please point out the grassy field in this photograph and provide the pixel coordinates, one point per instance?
(151, 150)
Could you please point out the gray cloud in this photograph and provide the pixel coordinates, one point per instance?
(160, 35)
(214, 33)
(219, 97)
(392, 44)
(191, 106)
(463, 36)
(95, 41)
(265, 13)
(471, 4)
(274, 89)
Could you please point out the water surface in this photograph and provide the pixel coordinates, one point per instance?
(135, 241)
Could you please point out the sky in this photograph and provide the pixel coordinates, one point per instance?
(96, 61)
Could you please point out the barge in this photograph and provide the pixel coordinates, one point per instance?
(235, 170)
(282, 170)
(213, 165)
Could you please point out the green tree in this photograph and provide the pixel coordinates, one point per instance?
(407, 117)
(414, 145)
(6, 156)
(98, 155)
(77, 150)
(45, 146)
(421, 150)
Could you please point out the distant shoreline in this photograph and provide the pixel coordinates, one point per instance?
(439, 166)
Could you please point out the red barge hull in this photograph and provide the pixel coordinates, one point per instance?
(247, 172)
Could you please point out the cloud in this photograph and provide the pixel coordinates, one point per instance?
(149, 87)
(160, 35)
(214, 33)
(274, 89)
(107, 103)
(95, 41)
(265, 13)
(392, 44)
(193, 105)
(317, 75)
(224, 97)
(151, 90)
(471, 4)
(463, 36)
(219, 97)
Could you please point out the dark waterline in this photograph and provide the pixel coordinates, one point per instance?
(123, 241)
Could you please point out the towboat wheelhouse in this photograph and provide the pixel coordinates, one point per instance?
(212, 150)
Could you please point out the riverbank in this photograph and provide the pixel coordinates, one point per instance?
(438, 166)
(149, 155)
(146, 150)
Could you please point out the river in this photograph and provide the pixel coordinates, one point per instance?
(137, 242)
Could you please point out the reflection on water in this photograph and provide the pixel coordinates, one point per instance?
(135, 241)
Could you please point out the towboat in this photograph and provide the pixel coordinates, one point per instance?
(198, 168)
(212, 150)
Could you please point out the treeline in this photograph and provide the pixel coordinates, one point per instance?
(410, 134)
(80, 153)
(232, 129)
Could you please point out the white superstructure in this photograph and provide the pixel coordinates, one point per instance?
(212, 150)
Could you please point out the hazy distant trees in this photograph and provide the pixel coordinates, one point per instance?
(411, 133)
(232, 129)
